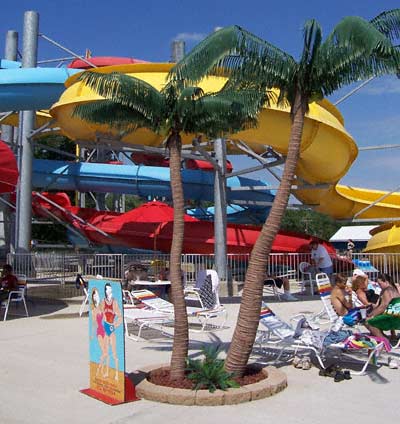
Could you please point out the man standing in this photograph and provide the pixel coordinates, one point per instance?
(320, 258)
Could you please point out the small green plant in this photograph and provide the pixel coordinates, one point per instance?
(210, 373)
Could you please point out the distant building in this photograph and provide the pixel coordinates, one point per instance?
(358, 233)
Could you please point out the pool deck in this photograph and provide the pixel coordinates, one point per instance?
(45, 364)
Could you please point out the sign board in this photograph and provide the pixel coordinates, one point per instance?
(106, 343)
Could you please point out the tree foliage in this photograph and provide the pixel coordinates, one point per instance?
(309, 222)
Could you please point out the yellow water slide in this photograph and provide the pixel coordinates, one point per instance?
(327, 150)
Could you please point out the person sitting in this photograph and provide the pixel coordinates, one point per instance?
(340, 296)
(134, 273)
(362, 295)
(8, 282)
(342, 302)
(280, 282)
(386, 315)
(163, 274)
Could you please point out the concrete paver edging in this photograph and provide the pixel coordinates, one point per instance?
(275, 382)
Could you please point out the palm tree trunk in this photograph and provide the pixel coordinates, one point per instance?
(250, 306)
(181, 328)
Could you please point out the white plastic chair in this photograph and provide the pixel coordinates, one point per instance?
(16, 297)
(22, 282)
(271, 288)
(306, 277)
(85, 301)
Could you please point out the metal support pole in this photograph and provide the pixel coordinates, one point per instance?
(10, 53)
(27, 120)
(220, 209)
(101, 197)
(7, 227)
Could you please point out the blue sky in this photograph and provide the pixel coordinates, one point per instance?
(146, 29)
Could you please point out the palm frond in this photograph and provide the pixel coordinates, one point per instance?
(388, 23)
(222, 113)
(127, 91)
(312, 35)
(117, 116)
(360, 35)
(222, 54)
(355, 51)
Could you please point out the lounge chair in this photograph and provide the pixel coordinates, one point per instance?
(202, 314)
(275, 332)
(279, 334)
(143, 317)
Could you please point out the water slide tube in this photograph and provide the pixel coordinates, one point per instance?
(38, 88)
(144, 181)
(31, 88)
(327, 149)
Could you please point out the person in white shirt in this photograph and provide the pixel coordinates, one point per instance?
(320, 258)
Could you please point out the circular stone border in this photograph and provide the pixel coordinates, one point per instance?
(273, 384)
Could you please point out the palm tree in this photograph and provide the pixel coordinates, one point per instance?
(130, 103)
(355, 50)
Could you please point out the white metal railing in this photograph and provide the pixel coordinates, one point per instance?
(62, 267)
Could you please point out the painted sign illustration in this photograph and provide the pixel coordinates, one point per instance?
(106, 334)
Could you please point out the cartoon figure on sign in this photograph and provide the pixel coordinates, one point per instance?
(97, 318)
(112, 319)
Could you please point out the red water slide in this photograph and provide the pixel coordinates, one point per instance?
(150, 227)
(8, 169)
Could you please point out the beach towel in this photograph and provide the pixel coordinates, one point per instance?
(389, 319)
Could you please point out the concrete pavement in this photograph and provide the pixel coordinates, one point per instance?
(45, 364)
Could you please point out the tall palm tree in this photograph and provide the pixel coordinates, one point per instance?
(130, 103)
(355, 50)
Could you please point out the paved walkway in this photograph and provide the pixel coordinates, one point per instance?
(45, 364)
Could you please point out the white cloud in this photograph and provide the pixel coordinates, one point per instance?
(190, 36)
(384, 85)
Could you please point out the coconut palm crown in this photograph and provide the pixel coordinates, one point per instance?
(355, 50)
(130, 103)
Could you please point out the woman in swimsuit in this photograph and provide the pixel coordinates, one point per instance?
(112, 319)
(97, 319)
(386, 316)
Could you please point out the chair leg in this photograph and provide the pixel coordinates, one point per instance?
(26, 309)
(6, 311)
(312, 287)
(83, 305)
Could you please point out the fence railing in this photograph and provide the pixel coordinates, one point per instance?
(63, 267)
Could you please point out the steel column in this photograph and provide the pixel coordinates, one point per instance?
(27, 120)
(7, 227)
(220, 209)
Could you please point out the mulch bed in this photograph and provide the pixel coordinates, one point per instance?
(161, 377)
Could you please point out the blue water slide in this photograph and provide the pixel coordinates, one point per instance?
(144, 181)
(31, 88)
(235, 214)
